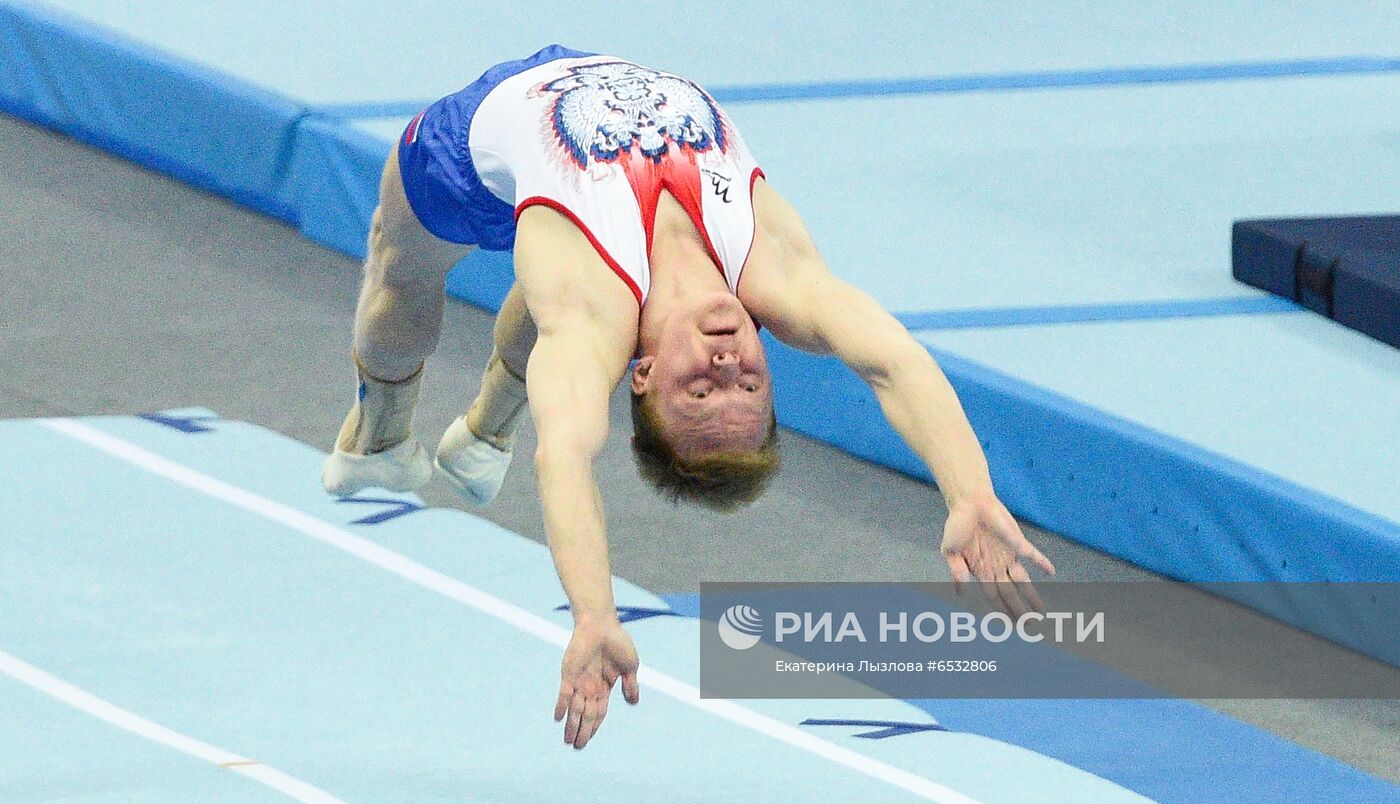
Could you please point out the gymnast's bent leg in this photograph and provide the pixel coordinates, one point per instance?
(397, 325)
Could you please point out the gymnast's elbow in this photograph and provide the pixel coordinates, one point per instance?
(563, 454)
(890, 364)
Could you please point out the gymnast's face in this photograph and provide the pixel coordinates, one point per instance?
(709, 378)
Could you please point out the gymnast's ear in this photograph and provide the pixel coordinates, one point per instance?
(641, 374)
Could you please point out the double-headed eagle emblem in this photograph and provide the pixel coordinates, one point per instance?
(603, 111)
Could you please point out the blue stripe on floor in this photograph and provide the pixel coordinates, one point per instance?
(1080, 313)
(986, 82)
(1059, 79)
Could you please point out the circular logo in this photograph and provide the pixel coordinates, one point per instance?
(740, 627)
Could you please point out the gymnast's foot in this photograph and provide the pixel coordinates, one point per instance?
(475, 466)
(376, 445)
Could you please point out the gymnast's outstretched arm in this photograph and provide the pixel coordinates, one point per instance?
(587, 325)
(789, 289)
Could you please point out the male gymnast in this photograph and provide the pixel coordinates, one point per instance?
(634, 210)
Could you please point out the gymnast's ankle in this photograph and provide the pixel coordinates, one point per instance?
(498, 410)
(382, 415)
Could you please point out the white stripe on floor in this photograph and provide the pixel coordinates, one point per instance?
(106, 710)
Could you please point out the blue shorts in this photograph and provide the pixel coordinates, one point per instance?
(438, 175)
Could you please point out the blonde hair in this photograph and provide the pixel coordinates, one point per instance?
(722, 481)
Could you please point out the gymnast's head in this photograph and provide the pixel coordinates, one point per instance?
(702, 407)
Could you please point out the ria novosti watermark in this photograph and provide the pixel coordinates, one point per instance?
(1093, 640)
(741, 627)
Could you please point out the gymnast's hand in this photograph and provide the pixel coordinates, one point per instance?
(599, 653)
(983, 541)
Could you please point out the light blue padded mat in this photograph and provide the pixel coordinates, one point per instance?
(1070, 197)
(221, 624)
(325, 52)
(239, 630)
